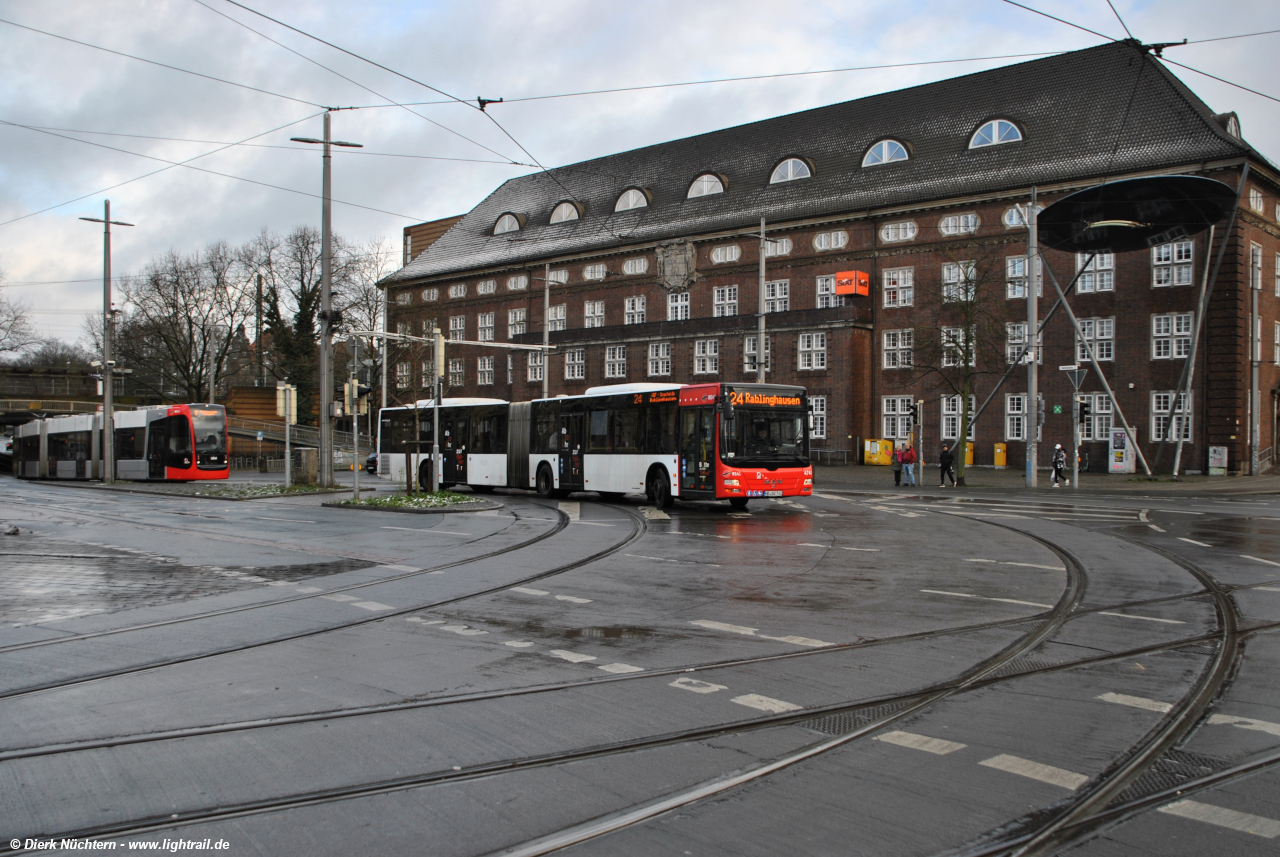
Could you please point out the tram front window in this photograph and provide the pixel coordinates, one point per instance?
(211, 435)
(759, 437)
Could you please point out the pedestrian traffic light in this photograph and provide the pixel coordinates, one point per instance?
(1084, 409)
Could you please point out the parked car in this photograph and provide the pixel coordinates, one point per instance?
(371, 463)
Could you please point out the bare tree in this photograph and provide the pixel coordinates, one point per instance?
(965, 332)
(17, 333)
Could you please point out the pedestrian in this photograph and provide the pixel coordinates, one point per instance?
(1059, 464)
(909, 465)
(897, 466)
(945, 469)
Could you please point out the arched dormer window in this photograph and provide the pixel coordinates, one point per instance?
(790, 170)
(994, 133)
(705, 185)
(631, 198)
(885, 152)
(507, 223)
(564, 212)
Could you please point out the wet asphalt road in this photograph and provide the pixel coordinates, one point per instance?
(855, 673)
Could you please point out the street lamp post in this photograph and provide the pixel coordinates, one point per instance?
(326, 302)
(108, 361)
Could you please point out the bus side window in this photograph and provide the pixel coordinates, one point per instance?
(599, 432)
(626, 430)
(660, 429)
(546, 432)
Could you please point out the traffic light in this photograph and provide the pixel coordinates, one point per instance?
(362, 399)
(1084, 410)
(348, 403)
(914, 410)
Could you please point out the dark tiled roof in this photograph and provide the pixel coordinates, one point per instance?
(420, 236)
(1088, 114)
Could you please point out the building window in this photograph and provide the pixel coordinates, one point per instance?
(484, 330)
(896, 417)
(1162, 411)
(1101, 334)
(565, 211)
(457, 327)
(994, 133)
(557, 317)
(951, 417)
(575, 364)
(813, 351)
(635, 266)
(957, 346)
(515, 323)
(1015, 417)
(899, 348)
(457, 372)
(535, 365)
(634, 310)
(518, 283)
(777, 296)
(884, 152)
(706, 356)
(558, 277)
(458, 290)
(749, 354)
(724, 255)
(431, 294)
(593, 314)
(404, 298)
(958, 281)
(403, 327)
(827, 297)
(903, 231)
(615, 361)
(1015, 271)
(484, 370)
(705, 185)
(511, 360)
(790, 170)
(899, 287)
(428, 372)
(1278, 275)
(1255, 199)
(818, 415)
(506, 223)
(486, 287)
(1016, 217)
(958, 224)
(1098, 276)
(659, 358)
(1276, 358)
(593, 272)
(1171, 264)
(630, 199)
(1255, 266)
(1015, 343)
(404, 376)
(777, 247)
(831, 240)
(725, 301)
(677, 306)
(1096, 426)
(1171, 335)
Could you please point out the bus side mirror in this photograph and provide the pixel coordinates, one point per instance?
(810, 421)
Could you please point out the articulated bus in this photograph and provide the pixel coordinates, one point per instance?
(698, 442)
(175, 443)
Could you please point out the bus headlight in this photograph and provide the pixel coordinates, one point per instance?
(808, 482)
(731, 483)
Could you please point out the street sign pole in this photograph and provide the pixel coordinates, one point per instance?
(1076, 375)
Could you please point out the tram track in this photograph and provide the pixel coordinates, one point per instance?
(640, 527)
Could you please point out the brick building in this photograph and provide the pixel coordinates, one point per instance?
(654, 262)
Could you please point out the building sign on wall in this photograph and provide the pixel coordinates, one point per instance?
(1217, 461)
(853, 283)
(1120, 457)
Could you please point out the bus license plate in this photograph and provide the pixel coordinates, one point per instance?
(773, 493)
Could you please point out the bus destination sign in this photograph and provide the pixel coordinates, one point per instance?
(741, 398)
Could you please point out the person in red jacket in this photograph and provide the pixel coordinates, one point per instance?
(909, 465)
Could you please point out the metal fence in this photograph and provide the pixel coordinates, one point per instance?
(831, 456)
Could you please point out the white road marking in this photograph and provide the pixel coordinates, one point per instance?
(571, 508)
(463, 630)
(876, 550)
(809, 545)
(518, 644)
(309, 589)
(340, 597)
(1144, 618)
(664, 559)
(1268, 588)
(371, 605)
(1142, 516)
(1021, 564)
(413, 619)
(571, 657)
(279, 583)
(527, 591)
(936, 746)
(654, 514)
(1036, 771)
(1246, 723)
(1023, 603)
(1193, 542)
(985, 598)
(253, 578)
(751, 632)
(697, 686)
(943, 592)
(1223, 817)
(396, 568)
(1137, 702)
(572, 600)
(1157, 529)
(427, 530)
(765, 703)
(1258, 559)
(594, 524)
(291, 520)
(434, 621)
(621, 668)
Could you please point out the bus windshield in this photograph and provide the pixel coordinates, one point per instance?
(765, 436)
(211, 431)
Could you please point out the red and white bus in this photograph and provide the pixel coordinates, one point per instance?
(697, 442)
(175, 443)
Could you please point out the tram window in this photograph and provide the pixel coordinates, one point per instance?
(29, 448)
(211, 432)
(131, 444)
(599, 432)
(660, 429)
(69, 446)
(179, 447)
(626, 430)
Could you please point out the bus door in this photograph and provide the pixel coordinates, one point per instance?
(157, 448)
(453, 449)
(571, 448)
(697, 449)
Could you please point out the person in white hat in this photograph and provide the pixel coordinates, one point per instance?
(1059, 465)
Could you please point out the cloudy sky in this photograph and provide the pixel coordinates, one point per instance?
(109, 120)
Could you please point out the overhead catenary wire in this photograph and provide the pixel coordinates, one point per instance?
(1062, 21)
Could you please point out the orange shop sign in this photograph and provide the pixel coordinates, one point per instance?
(853, 283)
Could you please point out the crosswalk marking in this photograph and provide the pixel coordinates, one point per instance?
(937, 746)
(1222, 817)
(1036, 771)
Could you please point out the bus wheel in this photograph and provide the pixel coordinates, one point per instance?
(424, 476)
(737, 503)
(659, 490)
(546, 486)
